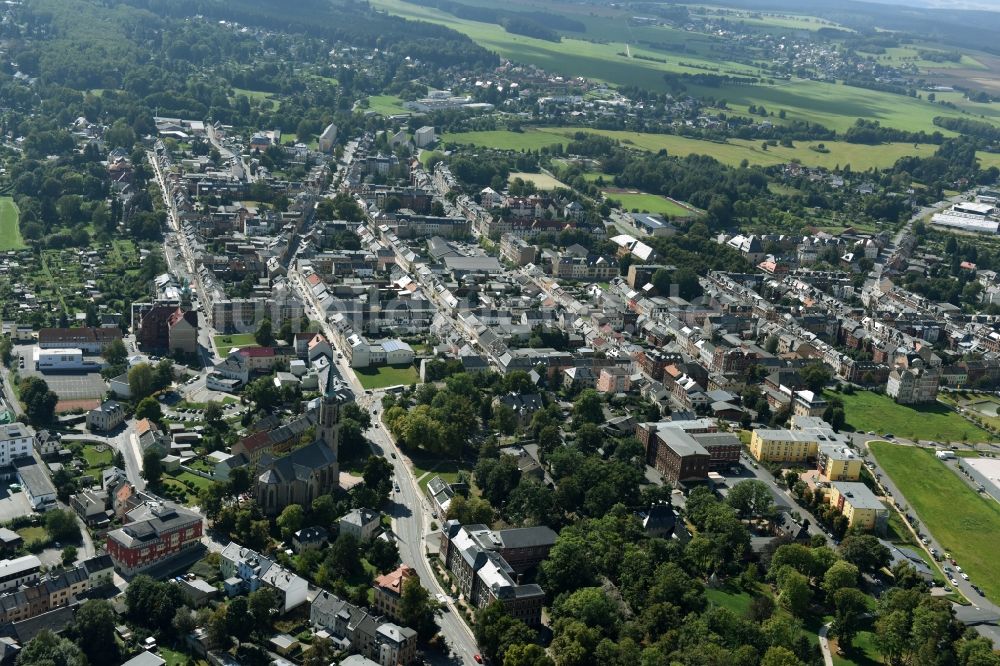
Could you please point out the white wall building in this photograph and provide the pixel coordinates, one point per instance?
(424, 136)
(58, 359)
(16, 440)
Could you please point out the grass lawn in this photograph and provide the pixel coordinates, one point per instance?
(30, 534)
(529, 139)
(388, 375)
(176, 658)
(966, 524)
(862, 653)
(869, 411)
(542, 181)
(386, 105)
(736, 601)
(97, 461)
(223, 343)
(10, 230)
(652, 203)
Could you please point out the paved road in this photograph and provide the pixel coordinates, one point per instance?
(411, 519)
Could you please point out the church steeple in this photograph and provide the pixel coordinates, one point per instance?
(328, 427)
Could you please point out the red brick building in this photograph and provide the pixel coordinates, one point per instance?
(152, 534)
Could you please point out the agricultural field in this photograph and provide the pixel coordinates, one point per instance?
(10, 230)
(868, 411)
(542, 181)
(833, 105)
(389, 375)
(651, 203)
(224, 343)
(733, 152)
(966, 524)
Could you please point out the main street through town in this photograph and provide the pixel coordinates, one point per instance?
(410, 512)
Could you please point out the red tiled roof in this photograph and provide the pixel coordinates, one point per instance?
(393, 581)
(257, 352)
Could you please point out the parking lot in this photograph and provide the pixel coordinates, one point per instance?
(13, 505)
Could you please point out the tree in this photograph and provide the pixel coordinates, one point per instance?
(184, 621)
(39, 402)
(383, 554)
(780, 656)
(48, 649)
(504, 420)
(152, 604)
(842, 574)
(93, 629)
(417, 609)
(149, 408)
(527, 654)
(264, 335)
(378, 474)
(263, 605)
(343, 559)
(141, 380)
(115, 353)
(152, 467)
(751, 499)
(587, 408)
(321, 652)
(291, 520)
(849, 604)
(213, 414)
(865, 552)
(262, 393)
(496, 631)
(239, 624)
(795, 593)
(771, 344)
(589, 438)
(590, 605)
(62, 526)
(815, 376)
(324, 510)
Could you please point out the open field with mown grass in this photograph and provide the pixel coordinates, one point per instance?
(733, 152)
(224, 343)
(388, 375)
(541, 180)
(868, 411)
(650, 203)
(10, 228)
(386, 105)
(966, 524)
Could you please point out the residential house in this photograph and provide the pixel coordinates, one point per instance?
(360, 523)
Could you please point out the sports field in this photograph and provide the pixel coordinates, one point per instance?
(733, 152)
(649, 203)
(541, 180)
(869, 411)
(966, 524)
(10, 230)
